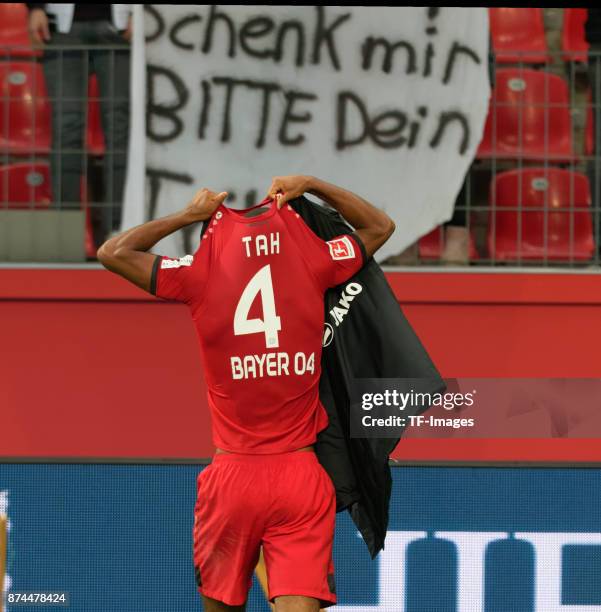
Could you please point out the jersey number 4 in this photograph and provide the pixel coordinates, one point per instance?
(270, 324)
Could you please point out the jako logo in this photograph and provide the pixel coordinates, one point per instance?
(344, 303)
(471, 548)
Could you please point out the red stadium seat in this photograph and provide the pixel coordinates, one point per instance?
(563, 200)
(573, 41)
(431, 245)
(24, 109)
(94, 134)
(25, 185)
(529, 117)
(518, 35)
(14, 34)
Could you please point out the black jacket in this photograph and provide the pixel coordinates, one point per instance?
(374, 340)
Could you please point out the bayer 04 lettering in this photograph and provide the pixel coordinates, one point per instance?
(264, 364)
(272, 364)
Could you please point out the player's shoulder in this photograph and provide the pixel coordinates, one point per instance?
(293, 220)
(342, 247)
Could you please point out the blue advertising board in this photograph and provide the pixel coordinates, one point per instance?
(461, 539)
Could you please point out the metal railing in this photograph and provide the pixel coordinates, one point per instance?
(531, 198)
(64, 125)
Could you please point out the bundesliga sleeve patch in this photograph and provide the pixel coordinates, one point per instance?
(176, 263)
(341, 248)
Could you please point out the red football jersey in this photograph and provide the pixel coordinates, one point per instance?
(255, 288)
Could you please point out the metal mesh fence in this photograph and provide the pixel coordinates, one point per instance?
(532, 194)
(64, 126)
(531, 197)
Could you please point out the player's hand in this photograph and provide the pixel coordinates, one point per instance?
(38, 26)
(203, 205)
(284, 188)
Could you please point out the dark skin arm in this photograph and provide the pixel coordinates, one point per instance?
(126, 254)
(373, 226)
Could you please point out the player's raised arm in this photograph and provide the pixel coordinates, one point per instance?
(373, 226)
(126, 254)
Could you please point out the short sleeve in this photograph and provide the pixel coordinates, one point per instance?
(174, 279)
(342, 258)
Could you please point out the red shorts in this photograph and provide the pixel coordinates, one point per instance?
(283, 502)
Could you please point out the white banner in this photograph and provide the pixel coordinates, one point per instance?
(387, 102)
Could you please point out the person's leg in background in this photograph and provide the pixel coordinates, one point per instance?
(592, 165)
(3, 548)
(65, 73)
(112, 67)
(456, 231)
